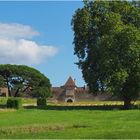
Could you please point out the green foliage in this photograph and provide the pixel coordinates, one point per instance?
(42, 92)
(41, 102)
(107, 43)
(23, 79)
(14, 103)
(3, 100)
(2, 82)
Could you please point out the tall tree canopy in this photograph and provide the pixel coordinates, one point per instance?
(23, 79)
(107, 43)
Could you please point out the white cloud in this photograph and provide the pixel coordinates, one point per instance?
(24, 52)
(16, 49)
(15, 30)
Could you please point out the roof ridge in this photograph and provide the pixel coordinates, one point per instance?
(70, 82)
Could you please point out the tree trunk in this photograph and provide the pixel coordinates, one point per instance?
(127, 103)
(26, 88)
(16, 93)
(9, 92)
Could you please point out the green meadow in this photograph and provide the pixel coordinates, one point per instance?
(71, 124)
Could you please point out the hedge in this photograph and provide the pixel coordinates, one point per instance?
(41, 102)
(14, 103)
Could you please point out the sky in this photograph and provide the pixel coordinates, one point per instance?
(39, 34)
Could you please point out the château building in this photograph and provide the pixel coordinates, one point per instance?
(70, 92)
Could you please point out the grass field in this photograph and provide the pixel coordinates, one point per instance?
(72, 124)
(80, 120)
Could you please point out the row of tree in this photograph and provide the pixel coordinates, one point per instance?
(107, 43)
(20, 79)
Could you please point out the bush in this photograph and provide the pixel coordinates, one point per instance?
(41, 102)
(3, 100)
(14, 103)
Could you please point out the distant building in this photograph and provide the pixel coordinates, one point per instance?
(4, 91)
(69, 92)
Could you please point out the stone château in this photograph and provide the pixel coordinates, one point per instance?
(69, 92)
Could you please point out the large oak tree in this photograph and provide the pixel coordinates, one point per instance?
(107, 43)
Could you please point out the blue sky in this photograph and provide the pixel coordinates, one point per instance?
(39, 34)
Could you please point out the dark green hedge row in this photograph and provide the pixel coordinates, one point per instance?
(14, 103)
(41, 102)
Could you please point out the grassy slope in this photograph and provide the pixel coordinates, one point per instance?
(33, 123)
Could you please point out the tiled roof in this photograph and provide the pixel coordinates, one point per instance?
(70, 83)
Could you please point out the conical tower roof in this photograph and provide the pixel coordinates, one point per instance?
(70, 83)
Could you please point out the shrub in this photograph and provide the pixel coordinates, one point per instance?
(3, 100)
(41, 102)
(14, 103)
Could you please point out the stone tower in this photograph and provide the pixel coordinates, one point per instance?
(69, 90)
